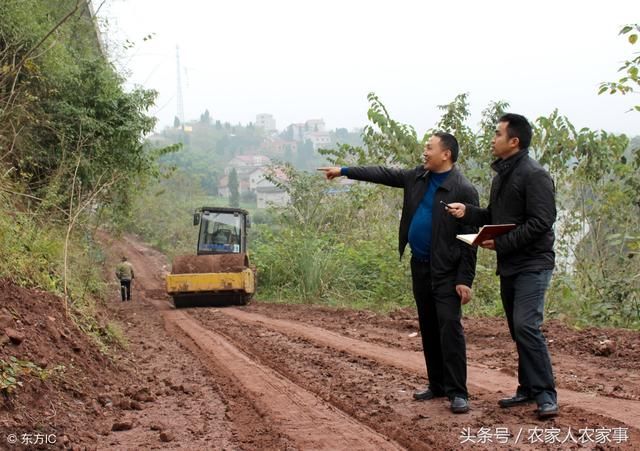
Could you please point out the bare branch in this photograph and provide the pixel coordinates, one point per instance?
(13, 142)
(72, 222)
(95, 13)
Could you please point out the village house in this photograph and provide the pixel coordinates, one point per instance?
(267, 192)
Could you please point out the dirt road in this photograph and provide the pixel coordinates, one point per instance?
(275, 376)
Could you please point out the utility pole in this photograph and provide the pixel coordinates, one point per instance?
(180, 112)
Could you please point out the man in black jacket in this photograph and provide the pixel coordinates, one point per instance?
(522, 192)
(442, 268)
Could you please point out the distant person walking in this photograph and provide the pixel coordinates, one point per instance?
(124, 273)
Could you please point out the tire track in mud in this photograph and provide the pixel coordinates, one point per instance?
(377, 396)
(365, 383)
(288, 416)
(625, 411)
(221, 408)
(380, 395)
(304, 418)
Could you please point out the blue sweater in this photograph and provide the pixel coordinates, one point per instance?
(420, 228)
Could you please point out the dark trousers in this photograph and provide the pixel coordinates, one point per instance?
(439, 314)
(125, 290)
(523, 302)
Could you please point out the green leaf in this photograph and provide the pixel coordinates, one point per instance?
(633, 38)
(626, 29)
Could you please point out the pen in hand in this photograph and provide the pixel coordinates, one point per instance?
(446, 205)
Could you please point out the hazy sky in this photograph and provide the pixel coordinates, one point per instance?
(300, 60)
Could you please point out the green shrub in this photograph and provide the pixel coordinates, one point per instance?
(13, 370)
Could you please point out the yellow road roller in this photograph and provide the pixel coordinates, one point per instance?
(220, 272)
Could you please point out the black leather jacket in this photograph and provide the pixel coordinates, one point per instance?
(523, 193)
(452, 261)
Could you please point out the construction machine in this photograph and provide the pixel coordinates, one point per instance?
(220, 272)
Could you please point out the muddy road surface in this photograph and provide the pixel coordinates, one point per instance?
(277, 376)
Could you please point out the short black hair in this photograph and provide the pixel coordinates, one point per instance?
(449, 142)
(518, 127)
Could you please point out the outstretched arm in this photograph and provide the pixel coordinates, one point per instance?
(382, 175)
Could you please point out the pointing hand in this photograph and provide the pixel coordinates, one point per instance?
(330, 172)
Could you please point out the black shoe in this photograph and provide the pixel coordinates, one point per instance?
(459, 405)
(425, 395)
(516, 400)
(548, 410)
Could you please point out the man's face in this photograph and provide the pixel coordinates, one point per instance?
(501, 145)
(434, 156)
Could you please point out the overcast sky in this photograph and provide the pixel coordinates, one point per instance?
(300, 59)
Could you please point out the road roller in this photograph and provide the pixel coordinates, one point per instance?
(220, 273)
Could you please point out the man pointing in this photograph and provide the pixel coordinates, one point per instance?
(442, 268)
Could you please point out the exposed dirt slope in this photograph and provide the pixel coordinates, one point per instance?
(64, 404)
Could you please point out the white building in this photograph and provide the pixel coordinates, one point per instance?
(298, 131)
(315, 125)
(255, 178)
(266, 121)
(318, 139)
(267, 196)
(244, 164)
(267, 193)
(274, 145)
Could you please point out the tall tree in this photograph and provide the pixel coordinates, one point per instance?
(304, 157)
(234, 192)
(66, 120)
(205, 117)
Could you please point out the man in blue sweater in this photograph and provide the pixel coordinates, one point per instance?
(442, 267)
